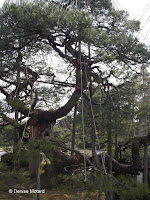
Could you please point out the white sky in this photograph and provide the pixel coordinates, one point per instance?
(138, 9)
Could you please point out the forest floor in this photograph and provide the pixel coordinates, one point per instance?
(49, 195)
(8, 182)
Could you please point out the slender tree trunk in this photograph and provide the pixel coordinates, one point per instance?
(116, 144)
(74, 128)
(146, 163)
(109, 137)
(16, 134)
(93, 145)
(93, 133)
(33, 164)
(78, 4)
(120, 154)
(38, 176)
(15, 146)
(110, 158)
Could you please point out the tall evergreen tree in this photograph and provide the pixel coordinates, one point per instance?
(28, 30)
